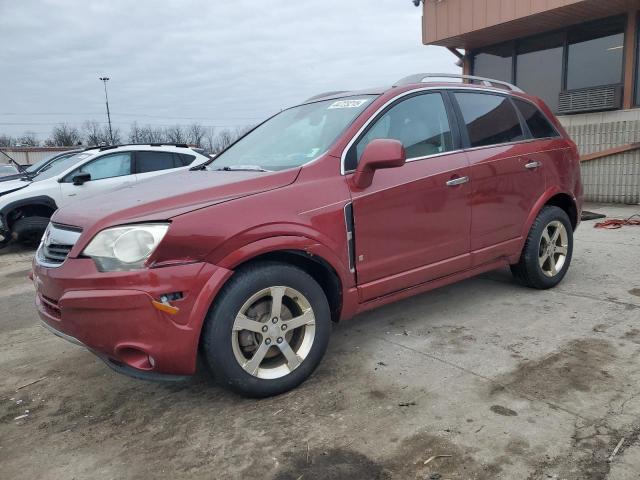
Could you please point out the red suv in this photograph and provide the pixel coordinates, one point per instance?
(346, 202)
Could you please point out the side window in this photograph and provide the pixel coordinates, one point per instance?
(154, 161)
(108, 166)
(490, 119)
(185, 159)
(419, 122)
(538, 124)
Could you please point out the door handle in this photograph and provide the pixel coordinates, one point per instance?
(457, 181)
(533, 165)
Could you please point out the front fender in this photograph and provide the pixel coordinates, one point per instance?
(231, 259)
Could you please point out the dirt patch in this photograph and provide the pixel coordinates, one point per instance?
(635, 291)
(406, 463)
(504, 411)
(577, 366)
(632, 335)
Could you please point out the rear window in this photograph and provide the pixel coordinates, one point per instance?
(538, 124)
(490, 119)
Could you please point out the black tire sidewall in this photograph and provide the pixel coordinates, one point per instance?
(217, 332)
(531, 258)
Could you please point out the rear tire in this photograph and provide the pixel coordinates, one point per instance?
(29, 229)
(258, 347)
(547, 252)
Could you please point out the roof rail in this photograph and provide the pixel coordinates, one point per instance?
(487, 82)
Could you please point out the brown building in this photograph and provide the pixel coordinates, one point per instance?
(580, 56)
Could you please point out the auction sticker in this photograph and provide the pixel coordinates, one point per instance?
(347, 104)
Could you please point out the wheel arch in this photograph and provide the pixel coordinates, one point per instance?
(43, 204)
(320, 269)
(556, 198)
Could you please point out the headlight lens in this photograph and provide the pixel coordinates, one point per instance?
(125, 248)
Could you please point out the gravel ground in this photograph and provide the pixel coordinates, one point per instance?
(507, 382)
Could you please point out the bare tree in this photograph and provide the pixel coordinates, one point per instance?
(64, 135)
(209, 139)
(6, 141)
(28, 139)
(135, 133)
(175, 134)
(116, 138)
(150, 134)
(223, 140)
(195, 134)
(94, 133)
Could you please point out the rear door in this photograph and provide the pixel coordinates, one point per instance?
(108, 172)
(412, 223)
(505, 186)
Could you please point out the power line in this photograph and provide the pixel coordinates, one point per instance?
(124, 115)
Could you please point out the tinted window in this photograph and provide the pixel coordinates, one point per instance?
(108, 166)
(596, 53)
(539, 67)
(536, 121)
(420, 123)
(185, 159)
(494, 62)
(490, 119)
(154, 161)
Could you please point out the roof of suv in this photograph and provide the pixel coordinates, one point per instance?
(420, 79)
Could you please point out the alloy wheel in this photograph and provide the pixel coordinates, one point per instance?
(553, 248)
(273, 332)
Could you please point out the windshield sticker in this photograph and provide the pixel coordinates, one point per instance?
(347, 104)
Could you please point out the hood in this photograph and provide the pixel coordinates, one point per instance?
(12, 185)
(167, 196)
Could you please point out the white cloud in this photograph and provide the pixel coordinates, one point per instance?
(224, 62)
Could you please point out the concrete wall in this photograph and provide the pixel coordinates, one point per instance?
(29, 156)
(611, 179)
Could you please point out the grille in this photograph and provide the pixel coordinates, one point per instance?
(55, 252)
(56, 244)
(591, 99)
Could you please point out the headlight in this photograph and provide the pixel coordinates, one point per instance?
(125, 248)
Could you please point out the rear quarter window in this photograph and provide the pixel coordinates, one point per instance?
(537, 122)
(490, 119)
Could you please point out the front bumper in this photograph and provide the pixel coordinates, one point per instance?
(113, 315)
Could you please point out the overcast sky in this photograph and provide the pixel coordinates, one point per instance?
(222, 63)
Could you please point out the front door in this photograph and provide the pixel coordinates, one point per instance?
(412, 224)
(108, 172)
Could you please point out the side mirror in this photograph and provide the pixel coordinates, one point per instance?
(80, 178)
(380, 153)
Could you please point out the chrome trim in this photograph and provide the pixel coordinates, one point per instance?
(457, 181)
(533, 165)
(461, 86)
(56, 234)
(351, 254)
(487, 82)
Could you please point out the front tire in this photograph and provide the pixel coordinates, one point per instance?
(267, 331)
(548, 250)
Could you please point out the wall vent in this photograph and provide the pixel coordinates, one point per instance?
(591, 99)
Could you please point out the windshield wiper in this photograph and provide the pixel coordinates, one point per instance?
(243, 168)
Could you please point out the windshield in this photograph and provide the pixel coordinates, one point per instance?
(59, 165)
(7, 170)
(38, 165)
(293, 137)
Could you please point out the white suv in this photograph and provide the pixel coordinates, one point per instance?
(27, 204)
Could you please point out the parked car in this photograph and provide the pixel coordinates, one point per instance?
(7, 170)
(27, 204)
(32, 170)
(336, 206)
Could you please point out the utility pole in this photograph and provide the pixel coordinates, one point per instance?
(105, 80)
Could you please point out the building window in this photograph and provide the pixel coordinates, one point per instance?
(596, 54)
(539, 67)
(495, 62)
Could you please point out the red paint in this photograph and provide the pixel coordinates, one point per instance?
(412, 233)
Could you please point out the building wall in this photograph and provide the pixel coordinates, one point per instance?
(450, 18)
(611, 179)
(29, 156)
